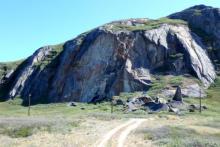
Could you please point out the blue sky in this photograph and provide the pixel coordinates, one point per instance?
(26, 25)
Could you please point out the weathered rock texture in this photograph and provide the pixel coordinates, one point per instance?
(204, 21)
(194, 91)
(109, 60)
(178, 95)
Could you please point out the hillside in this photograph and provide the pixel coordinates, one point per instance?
(128, 83)
(123, 56)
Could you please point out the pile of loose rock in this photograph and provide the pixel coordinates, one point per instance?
(151, 105)
(157, 104)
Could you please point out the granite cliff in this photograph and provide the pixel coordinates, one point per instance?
(121, 56)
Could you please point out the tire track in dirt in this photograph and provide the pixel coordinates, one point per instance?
(127, 131)
(122, 130)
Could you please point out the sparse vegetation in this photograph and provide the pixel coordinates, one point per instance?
(151, 24)
(161, 82)
(56, 50)
(17, 132)
(177, 80)
(173, 136)
(127, 95)
(61, 119)
(5, 67)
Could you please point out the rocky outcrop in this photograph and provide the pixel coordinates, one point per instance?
(118, 57)
(205, 22)
(203, 17)
(179, 39)
(178, 95)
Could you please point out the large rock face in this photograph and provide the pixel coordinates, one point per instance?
(204, 21)
(202, 17)
(117, 57)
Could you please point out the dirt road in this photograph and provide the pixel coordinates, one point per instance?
(120, 133)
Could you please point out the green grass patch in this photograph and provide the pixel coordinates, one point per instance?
(27, 126)
(177, 80)
(10, 65)
(17, 132)
(150, 24)
(212, 101)
(160, 82)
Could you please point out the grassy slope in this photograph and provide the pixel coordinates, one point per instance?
(151, 24)
(9, 65)
(14, 109)
(56, 50)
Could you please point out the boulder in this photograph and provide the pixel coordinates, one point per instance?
(160, 100)
(194, 107)
(152, 106)
(192, 90)
(178, 95)
(135, 103)
(118, 102)
(191, 110)
(145, 99)
(72, 104)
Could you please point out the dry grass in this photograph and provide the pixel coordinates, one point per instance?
(85, 133)
(175, 131)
